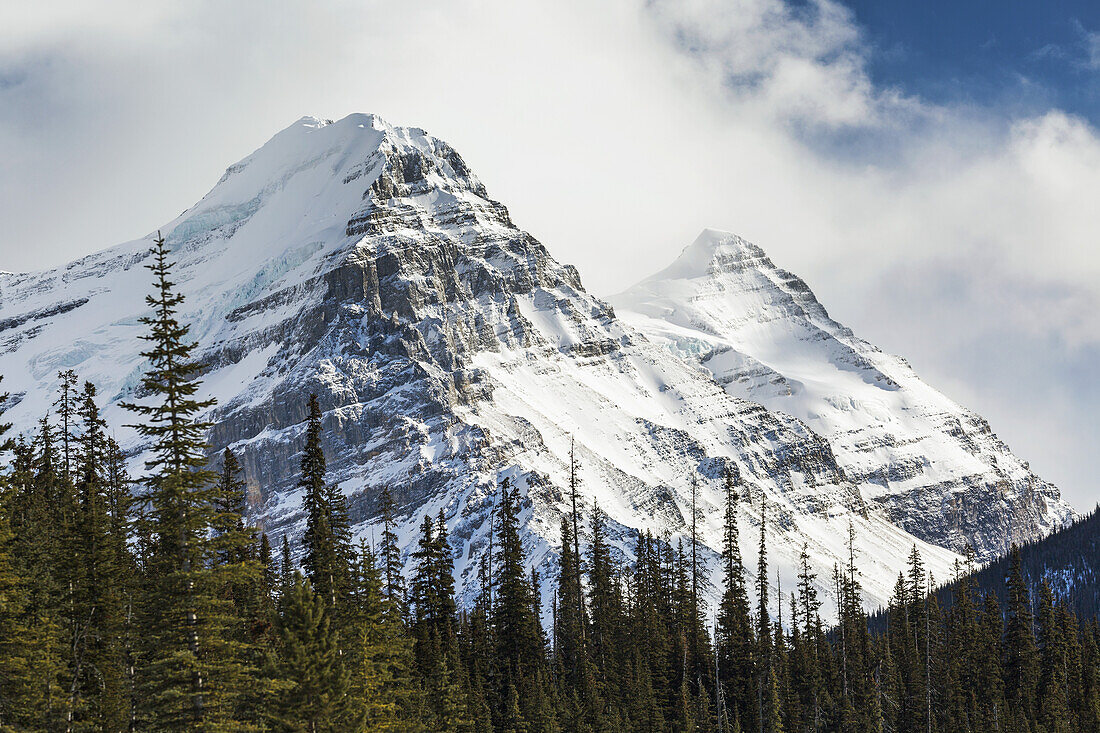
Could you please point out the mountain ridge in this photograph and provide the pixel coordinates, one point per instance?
(366, 263)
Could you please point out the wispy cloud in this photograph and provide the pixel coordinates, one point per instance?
(1083, 53)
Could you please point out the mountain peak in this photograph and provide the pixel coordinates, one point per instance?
(714, 250)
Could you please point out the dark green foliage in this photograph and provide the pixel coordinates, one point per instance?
(315, 695)
(394, 581)
(519, 643)
(733, 634)
(327, 538)
(98, 688)
(1021, 659)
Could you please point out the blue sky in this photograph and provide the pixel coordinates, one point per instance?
(1017, 55)
(931, 169)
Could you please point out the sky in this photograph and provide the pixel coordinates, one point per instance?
(930, 169)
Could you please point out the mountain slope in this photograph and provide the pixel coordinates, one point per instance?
(933, 467)
(366, 263)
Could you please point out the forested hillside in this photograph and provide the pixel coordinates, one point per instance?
(1068, 561)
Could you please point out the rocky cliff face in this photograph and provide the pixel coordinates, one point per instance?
(366, 263)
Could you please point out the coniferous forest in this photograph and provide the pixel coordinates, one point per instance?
(148, 603)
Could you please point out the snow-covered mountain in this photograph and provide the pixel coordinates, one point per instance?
(366, 263)
(932, 467)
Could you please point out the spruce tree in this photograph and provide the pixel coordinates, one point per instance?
(767, 705)
(1053, 701)
(243, 615)
(604, 601)
(1021, 664)
(326, 542)
(20, 704)
(315, 696)
(233, 542)
(66, 405)
(517, 632)
(390, 554)
(184, 661)
(20, 707)
(569, 647)
(380, 658)
(98, 691)
(42, 554)
(436, 646)
(733, 633)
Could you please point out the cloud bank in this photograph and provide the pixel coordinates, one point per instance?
(960, 237)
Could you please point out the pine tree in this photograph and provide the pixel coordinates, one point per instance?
(319, 559)
(1021, 665)
(992, 707)
(30, 636)
(244, 614)
(394, 587)
(575, 671)
(66, 405)
(315, 697)
(98, 691)
(604, 602)
(1088, 714)
(381, 658)
(767, 696)
(1053, 703)
(234, 542)
(733, 634)
(41, 553)
(326, 541)
(808, 682)
(184, 660)
(20, 702)
(700, 668)
(517, 632)
(435, 642)
(286, 572)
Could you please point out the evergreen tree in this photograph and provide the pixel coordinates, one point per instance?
(41, 553)
(435, 641)
(327, 542)
(574, 669)
(517, 632)
(1053, 701)
(98, 693)
(1021, 664)
(185, 669)
(244, 613)
(733, 633)
(66, 405)
(394, 580)
(604, 601)
(768, 714)
(234, 543)
(315, 697)
(21, 704)
(286, 572)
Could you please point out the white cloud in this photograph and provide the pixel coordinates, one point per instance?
(614, 131)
